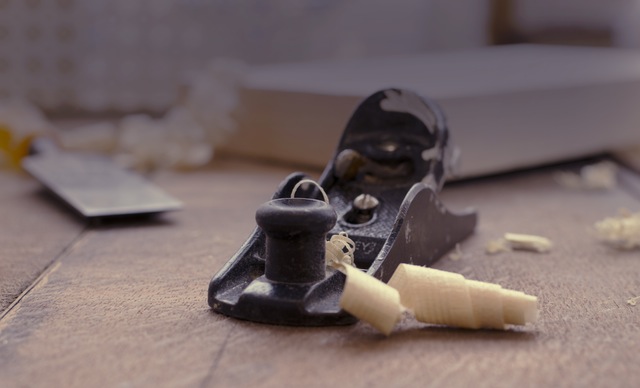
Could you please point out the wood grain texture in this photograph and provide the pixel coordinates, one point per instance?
(32, 233)
(126, 306)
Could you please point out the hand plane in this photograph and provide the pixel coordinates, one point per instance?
(382, 183)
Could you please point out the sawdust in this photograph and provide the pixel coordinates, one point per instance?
(621, 232)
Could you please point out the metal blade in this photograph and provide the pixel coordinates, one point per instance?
(96, 187)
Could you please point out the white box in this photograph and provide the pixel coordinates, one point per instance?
(508, 107)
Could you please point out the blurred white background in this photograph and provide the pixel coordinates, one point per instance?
(126, 55)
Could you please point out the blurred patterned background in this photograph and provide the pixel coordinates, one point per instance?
(127, 55)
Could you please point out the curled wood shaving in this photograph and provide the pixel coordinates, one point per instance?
(312, 182)
(436, 297)
(447, 298)
(370, 300)
(622, 232)
(339, 250)
(599, 176)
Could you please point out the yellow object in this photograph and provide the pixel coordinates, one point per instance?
(13, 150)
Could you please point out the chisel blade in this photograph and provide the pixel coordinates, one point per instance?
(96, 187)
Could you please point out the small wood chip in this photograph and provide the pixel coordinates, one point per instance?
(497, 246)
(528, 242)
(457, 254)
(517, 241)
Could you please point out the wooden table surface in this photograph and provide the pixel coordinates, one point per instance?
(124, 304)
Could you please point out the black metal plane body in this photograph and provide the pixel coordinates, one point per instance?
(393, 158)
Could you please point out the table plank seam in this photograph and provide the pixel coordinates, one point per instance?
(206, 382)
(46, 271)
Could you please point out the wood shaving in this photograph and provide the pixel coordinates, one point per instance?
(311, 182)
(457, 254)
(518, 241)
(148, 144)
(621, 232)
(339, 250)
(370, 300)
(436, 297)
(633, 301)
(447, 298)
(528, 242)
(599, 176)
(183, 138)
(497, 246)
